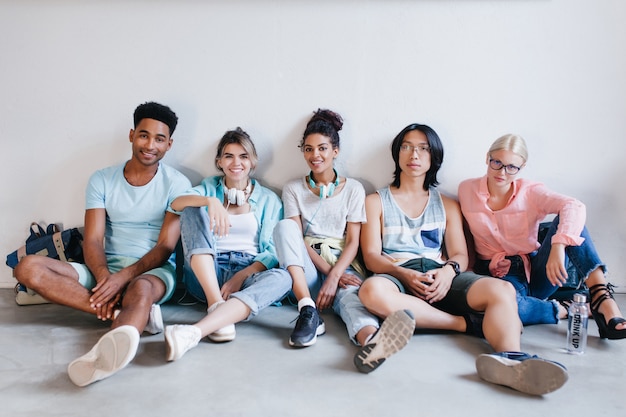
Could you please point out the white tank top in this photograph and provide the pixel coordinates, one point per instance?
(243, 235)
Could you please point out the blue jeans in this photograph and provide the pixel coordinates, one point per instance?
(532, 298)
(291, 250)
(257, 291)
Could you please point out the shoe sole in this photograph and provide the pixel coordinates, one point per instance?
(28, 297)
(532, 376)
(221, 337)
(321, 329)
(170, 344)
(394, 334)
(113, 352)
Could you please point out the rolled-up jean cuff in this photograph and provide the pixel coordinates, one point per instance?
(249, 302)
(199, 251)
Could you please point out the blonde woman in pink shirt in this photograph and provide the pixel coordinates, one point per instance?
(503, 213)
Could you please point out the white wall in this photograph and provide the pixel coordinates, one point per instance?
(72, 72)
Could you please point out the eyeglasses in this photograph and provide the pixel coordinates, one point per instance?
(497, 165)
(421, 149)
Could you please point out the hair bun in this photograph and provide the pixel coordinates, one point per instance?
(328, 116)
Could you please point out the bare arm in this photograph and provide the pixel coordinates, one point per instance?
(107, 289)
(351, 248)
(235, 283)
(337, 275)
(95, 259)
(456, 245)
(93, 243)
(371, 244)
(218, 216)
(371, 240)
(183, 201)
(456, 248)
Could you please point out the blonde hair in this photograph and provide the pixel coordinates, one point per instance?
(237, 137)
(513, 143)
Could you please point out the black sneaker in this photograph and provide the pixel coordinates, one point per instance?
(308, 327)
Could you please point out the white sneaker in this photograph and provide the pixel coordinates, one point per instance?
(113, 352)
(25, 296)
(393, 335)
(522, 372)
(226, 333)
(155, 320)
(179, 338)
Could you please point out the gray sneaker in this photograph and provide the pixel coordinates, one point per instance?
(393, 335)
(179, 338)
(522, 372)
(113, 352)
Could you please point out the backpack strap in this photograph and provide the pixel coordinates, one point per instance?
(57, 239)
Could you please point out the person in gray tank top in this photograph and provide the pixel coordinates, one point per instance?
(409, 223)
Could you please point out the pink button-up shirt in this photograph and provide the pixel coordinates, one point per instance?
(513, 229)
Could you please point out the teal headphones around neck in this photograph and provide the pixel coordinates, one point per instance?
(325, 190)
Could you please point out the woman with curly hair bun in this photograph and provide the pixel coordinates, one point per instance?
(318, 243)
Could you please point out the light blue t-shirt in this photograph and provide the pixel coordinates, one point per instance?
(134, 215)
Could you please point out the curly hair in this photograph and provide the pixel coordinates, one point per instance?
(325, 122)
(156, 111)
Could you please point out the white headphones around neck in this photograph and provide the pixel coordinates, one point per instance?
(235, 196)
(326, 190)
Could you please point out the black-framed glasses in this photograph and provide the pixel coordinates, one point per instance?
(421, 149)
(497, 165)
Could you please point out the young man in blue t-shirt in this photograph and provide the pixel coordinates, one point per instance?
(128, 245)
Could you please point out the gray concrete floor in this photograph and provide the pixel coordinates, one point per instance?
(258, 374)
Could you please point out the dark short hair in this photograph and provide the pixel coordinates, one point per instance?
(325, 122)
(156, 111)
(436, 154)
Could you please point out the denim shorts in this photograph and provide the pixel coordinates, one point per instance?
(455, 302)
(166, 273)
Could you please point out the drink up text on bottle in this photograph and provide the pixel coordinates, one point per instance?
(577, 319)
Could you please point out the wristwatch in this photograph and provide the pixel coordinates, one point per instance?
(455, 266)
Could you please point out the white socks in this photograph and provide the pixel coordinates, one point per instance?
(306, 301)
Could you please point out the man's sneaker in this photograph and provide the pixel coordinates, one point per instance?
(25, 296)
(113, 352)
(522, 372)
(308, 327)
(226, 333)
(155, 320)
(394, 334)
(179, 338)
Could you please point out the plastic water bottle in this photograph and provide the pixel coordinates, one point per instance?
(577, 319)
